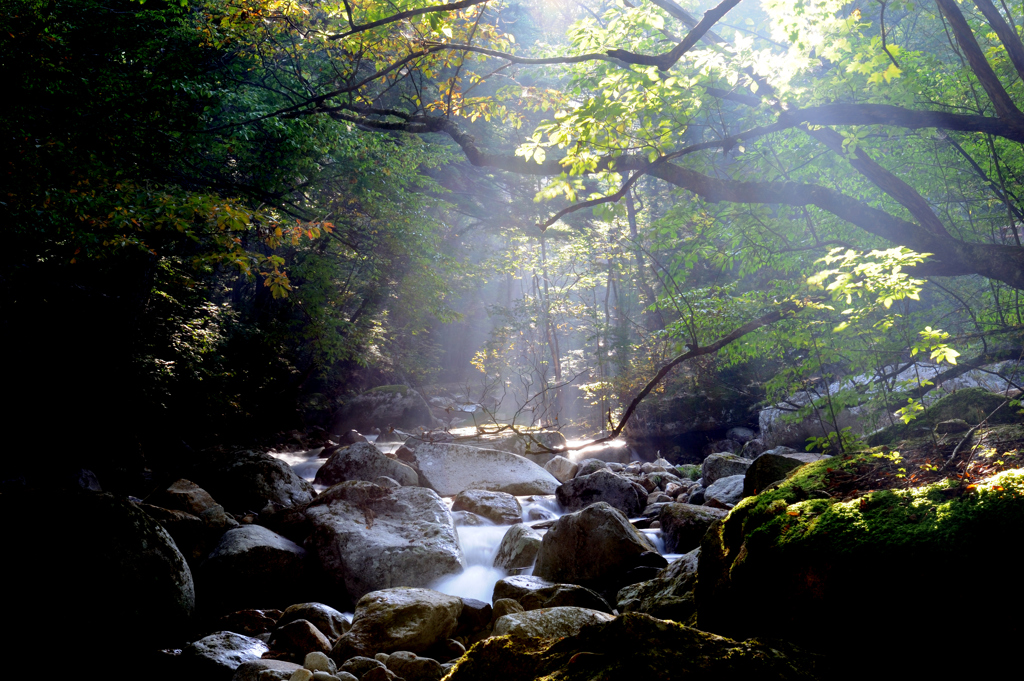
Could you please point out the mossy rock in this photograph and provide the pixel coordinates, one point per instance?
(632, 646)
(890, 565)
(971, 405)
(689, 471)
(401, 389)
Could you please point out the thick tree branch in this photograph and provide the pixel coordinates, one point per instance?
(1005, 108)
(576, 59)
(896, 116)
(1007, 36)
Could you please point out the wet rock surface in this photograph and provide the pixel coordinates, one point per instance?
(368, 538)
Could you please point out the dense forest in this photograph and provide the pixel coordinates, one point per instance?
(699, 234)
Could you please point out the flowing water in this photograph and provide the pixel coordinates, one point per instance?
(479, 542)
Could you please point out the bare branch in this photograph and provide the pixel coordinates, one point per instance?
(666, 60)
(687, 18)
(359, 28)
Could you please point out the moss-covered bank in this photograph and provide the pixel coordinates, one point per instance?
(893, 566)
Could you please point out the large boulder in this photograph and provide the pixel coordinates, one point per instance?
(253, 567)
(684, 525)
(615, 490)
(669, 596)
(634, 646)
(450, 468)
(385, 621)
(397, 406)
(518, 548)
(549, 622)
(595, 548)
(255, 481)
(363, 461)
(790, 558)
(98, 559)
(772, 466)
(501, 508)
(517, 586)
(722, 465)
(368, 538)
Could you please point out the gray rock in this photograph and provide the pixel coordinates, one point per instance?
(564, 595)
(385, 481)
(325, 618)
(451, 468)
(590, 466)
(773, 466)
(684, 525)
(255, 481)
(218, 655)
(183, 495)
(298, 638)
(518, 548)
(561, 468)
(319, 662)
(412, 667)
(500, 508)
(301, 675)
(669, 596)
(346, 676)
(363, 461)
(741, 434)
(726, 446)
(582, 491)
(253, 567)
(594, 547)
(517, 586)
(359, 665)
(549, 623)
(265, 670)
(725, 492)
(505, 606)
(399, 619)
(397, 406)
(753, 449)
(719, 466)
(368, 538)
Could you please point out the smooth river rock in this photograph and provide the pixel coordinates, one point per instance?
(449, 468)
(584, 490)
(595, 548)
(501, 508)
(368, 538)
(684, 525)
(252, 567)
(549, 622)
(518, 548)
(363, 461)
(399, 619)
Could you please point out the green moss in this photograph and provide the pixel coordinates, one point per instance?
(971, 405)
(403, 389)
(689, 471)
